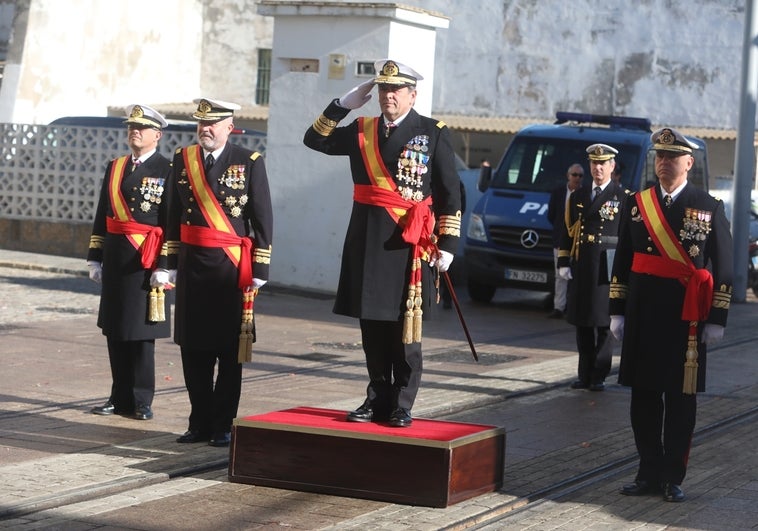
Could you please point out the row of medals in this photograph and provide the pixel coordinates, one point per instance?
(151, 191)
(234, 178)
(696, 224)
(412, 164)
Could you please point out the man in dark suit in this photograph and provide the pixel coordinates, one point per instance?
(587, 241)
(556, 215)
(406, 217)
(126, 239)
(670, 294)
(219, 237)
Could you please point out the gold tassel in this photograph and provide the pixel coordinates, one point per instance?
(156, 305)
(691, 365)
(408, 321)
(417, 313)
(245, 347)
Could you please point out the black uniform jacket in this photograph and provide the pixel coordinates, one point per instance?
(123, 314)
(375, 260)
(596, 237)
(208, 299)
(655, 336)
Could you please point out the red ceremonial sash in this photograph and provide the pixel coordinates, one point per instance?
(219, 232)
(144, 238)
(673, 261)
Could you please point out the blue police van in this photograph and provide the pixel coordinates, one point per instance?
(508, 240)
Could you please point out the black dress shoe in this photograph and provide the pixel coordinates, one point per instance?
(106, 409)
(362, 414)
(555, 314)
(401, 418)
(578, 384)
(640, 487)
(672, 493)
(221, 438)
(597, 386)
(143, 413)
(193, 436)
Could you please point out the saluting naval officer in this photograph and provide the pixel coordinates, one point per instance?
(587, 241)
(219, 238)
(127, 237)
(405, 221)
(670, 295)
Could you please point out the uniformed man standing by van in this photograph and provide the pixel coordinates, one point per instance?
(670, 295)
(585, 257)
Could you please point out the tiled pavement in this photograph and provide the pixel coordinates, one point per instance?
(63, 468)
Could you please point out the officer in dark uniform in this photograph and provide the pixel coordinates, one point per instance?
(404, 176)
(219, 249)
(665, 307)
(584, 258)
(126, 239)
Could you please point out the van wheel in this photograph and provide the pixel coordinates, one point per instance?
(480, 292)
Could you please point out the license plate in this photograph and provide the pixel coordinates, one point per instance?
(520, 275)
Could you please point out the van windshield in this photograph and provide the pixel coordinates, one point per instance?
(540, 164)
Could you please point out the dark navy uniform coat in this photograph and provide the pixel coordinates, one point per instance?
(375, 271)
(655, 336)
(123, 314)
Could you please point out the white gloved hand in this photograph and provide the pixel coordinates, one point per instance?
(617, 326)
(357, 96)
(565, 273)
(712, 333)
(95, 271)
(172, 277)
(258, 283)
(442, 260)
(159, 278)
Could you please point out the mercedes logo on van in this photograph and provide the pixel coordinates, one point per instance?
(529, 239)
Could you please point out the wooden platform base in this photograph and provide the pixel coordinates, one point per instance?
(431, 463)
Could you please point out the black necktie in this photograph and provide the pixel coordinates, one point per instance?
(596, 193)
(209, 160)
(667, 200)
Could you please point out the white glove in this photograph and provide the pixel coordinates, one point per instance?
(617, 326)
(172, 277)
(442, 260)
(565, 273)
(159, 278)
(712, 333)
(258, 283)
(95, 271)
(357, 96)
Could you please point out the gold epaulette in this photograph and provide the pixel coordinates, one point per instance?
(450, 225)
(262, 256)
(178, 150)
(618, 290)
(324, 126)
(255, 155)
(441, 124)
(722, 297)
(96, 242)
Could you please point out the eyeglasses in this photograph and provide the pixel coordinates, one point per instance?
(574, 174)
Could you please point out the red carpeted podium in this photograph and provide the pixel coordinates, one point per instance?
(431, 463)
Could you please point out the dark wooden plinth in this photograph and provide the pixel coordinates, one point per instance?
(368, 460)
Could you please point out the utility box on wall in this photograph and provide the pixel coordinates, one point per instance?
(320, 51)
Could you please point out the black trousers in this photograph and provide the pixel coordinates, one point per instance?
(133, 373)
(394, 368)
(213, 406)
(663, 424)
(595, 353)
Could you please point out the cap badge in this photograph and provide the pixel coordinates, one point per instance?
(598, 150)
(137, 112)
(204, 107)
(390, 69)
(667, 137)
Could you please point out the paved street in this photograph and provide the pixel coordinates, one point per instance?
(567, 452)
